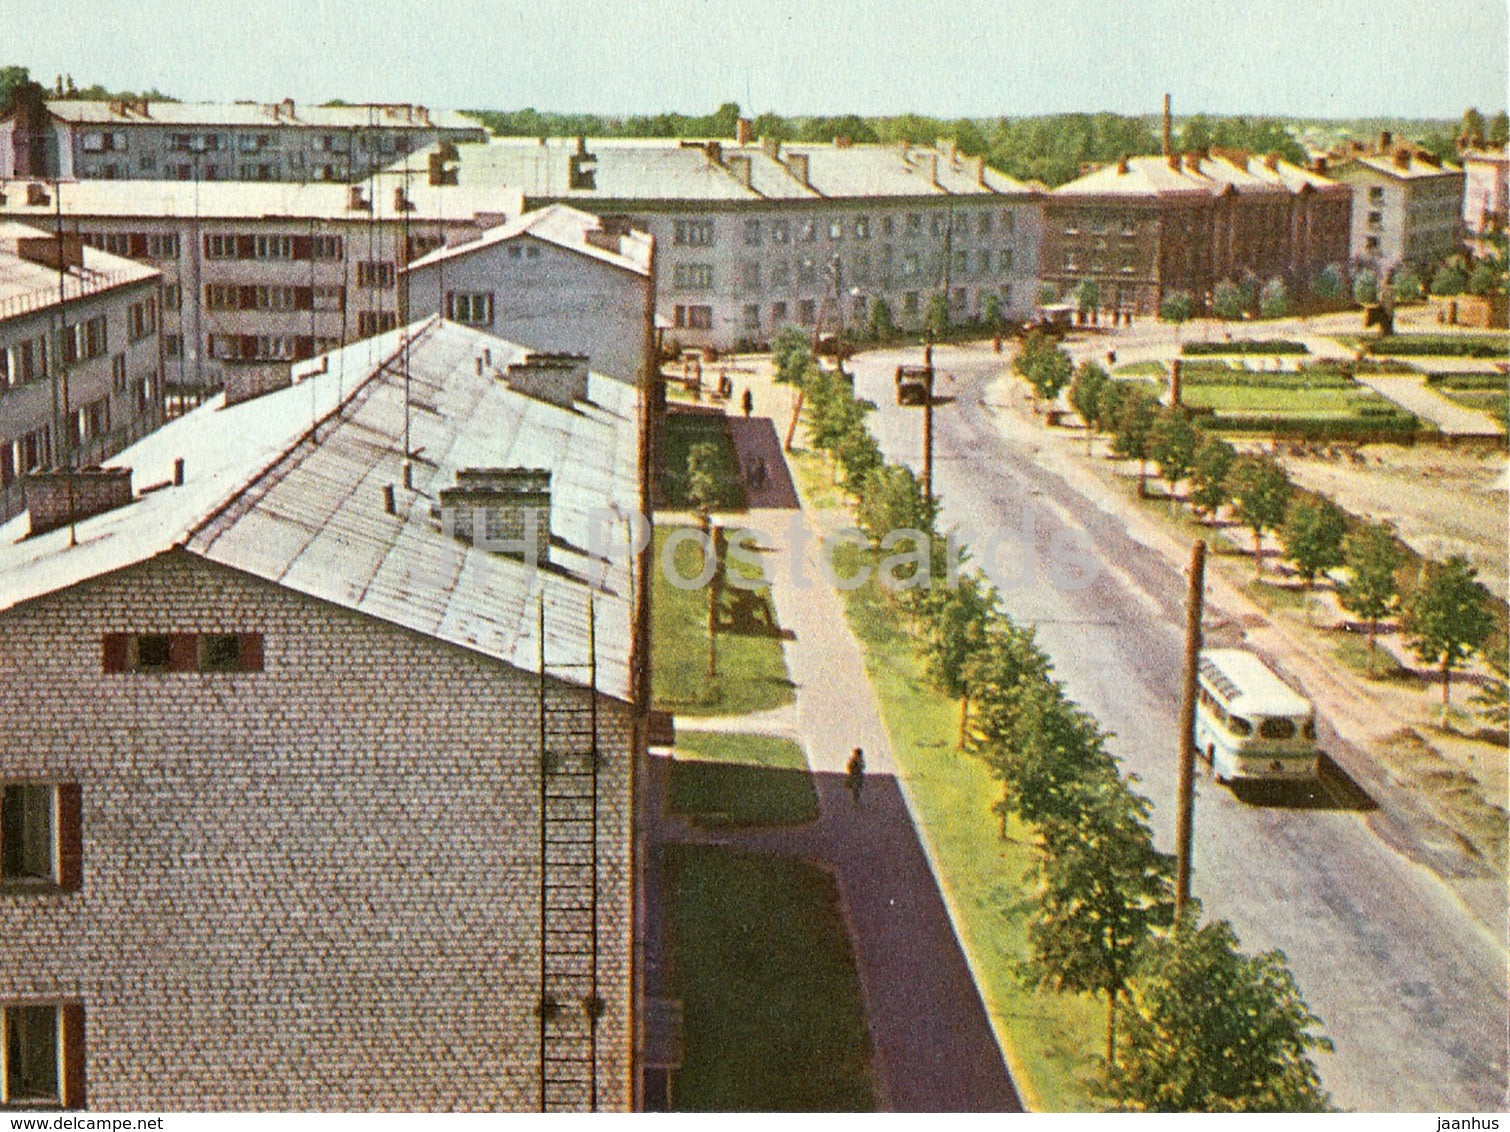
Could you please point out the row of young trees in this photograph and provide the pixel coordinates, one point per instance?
(1446, 612)
(1204, 1026)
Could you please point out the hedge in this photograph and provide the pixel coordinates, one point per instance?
(1361, 429)
(1493, 382)
(1441, 345)
(1245, 346)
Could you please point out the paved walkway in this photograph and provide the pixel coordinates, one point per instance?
(1411, 392)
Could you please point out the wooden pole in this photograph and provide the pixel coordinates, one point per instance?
(928, 427)
(1185, 815)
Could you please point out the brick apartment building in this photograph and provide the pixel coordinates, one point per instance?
(254, 273)
(753, 237)
(1407, 205)
(124, 139)
(80, 364)
(1145, 226)
(298, 812)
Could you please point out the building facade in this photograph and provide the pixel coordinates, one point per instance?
(1146, 226)
(254, 273)
(1407, 206)
(753, 237)
(315, 796)
(125, 139)
(80, 356)
(1486, 189)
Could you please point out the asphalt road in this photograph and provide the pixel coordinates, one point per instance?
(1410, 987)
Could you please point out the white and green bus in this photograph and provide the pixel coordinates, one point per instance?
(1249, 724)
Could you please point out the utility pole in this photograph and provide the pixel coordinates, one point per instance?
(1185, 813)
(928, 426)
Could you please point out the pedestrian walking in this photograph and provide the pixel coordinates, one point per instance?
(855, 773)
(748, 401)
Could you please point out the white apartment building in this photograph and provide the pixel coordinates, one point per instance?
(80, 370)
(263, 272)
(124, 139)
(1407, 206)
(753, 237)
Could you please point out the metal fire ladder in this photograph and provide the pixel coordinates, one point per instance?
(569, 1006)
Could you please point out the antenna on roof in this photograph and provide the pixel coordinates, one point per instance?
(403, 314)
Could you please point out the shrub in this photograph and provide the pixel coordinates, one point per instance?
(1440, 345)
(1245, 346)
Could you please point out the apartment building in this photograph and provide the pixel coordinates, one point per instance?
(751, 237)
(1407, 205)
(1486, 189)
(316, 784)
(254, 273)
(1145, 226)
(80, 365)
(125, 139)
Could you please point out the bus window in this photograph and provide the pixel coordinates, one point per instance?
(1238, 725)
(1277, 728)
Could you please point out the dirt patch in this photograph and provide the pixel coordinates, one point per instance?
(1444, 773)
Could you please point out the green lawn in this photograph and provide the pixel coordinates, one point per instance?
(751, 671)
(683, 432)
(759, 955)
(1141, 369)
(1053, 1040)
(1494, 402)
(741, 780)
(1270, 399)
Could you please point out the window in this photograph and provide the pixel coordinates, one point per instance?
(221, 297)
(692, 276)
(807, 311)
(42, 1052)
(1009, 219)
(781, 232)
(807, 270)
(118, 373)
(889, 226)
(1004, 259)
(474, 308)
(914, 224)
(1375, 219)
(41, 839)
(85, 340)
(692, 233)
(749, 275)
(808, 231)
(781, 273)
(1375, 195)
(752, 233)
(325, 247)
(937, 224)
(375, 322)
(778, 313)
(985, 260)
(752, 316)
(219, 246)
(1371, 243)
(910, 264)
(694, 317)
(23, 361)
(162, 246)
(836, 229)
(375, 273)
(276, 247)
(173, 345)
(275, 298)
(141, 319)
(910, 304)
(1277, 728)
(32, 451)
(181, 652)
(328, 297)
(985, 223)
(173, 294)
(862, 227)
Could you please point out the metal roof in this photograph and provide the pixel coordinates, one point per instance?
(27, 286)
(558, 224)
(289, 487)
(1205, 177)
(264, 115)
(1249, 686)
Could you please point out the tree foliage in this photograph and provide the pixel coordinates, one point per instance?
(1329, 282)
(1313, 534)
(1176, 307)
(1227, 301)
(1210, 487)
(1448, 617)
(1274, 299)
(1132, 429)
(1370, 590)
(1365, 287)
(1173, 445)
(1260, 496)
(1044, 366)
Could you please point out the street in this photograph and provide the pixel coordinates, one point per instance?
(1410, 987)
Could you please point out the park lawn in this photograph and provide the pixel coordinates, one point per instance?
(759, 955)
(1053, 1040)
(683, 432)
(1494, 402)
(740, 780)
(1268, 399)
(751, 670)
(815, 479)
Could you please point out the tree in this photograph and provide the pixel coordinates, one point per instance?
(1450, 279)
(1173, 444)
(1406, 285)
(1210, 1029)
(957, 632)
(858, 455)
(1260, 496)
(1314, 530)
(893, 501)
(879, 323)
(11, 79)
(1043, 365)
(1329, 282)
(1048, 294)
(1499, 129)
(936, 317)
(1471, 133)
(1086, 392)
(1227, 301)
(1274, 299)
(1484, 278)
(1176, 307)
(792, 353)
(992, 313)
(1365, 288)
(1209, 486)
(1088, 295)
(1133, 430)
(999, 674)
(705, 489)
(1448, 617)
(1104, 891)
(1372, 560)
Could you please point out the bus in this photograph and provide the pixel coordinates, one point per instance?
(1249, 724)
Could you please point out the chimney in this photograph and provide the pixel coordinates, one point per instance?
(582, 167)
(1122, 168)
(355, 201)
(771, 147)
(933, 169)
(287, 108)
(507, 510)
(715, 152)
(611, 230)
(36, 194)
(43, 250)
(1168, 129)
(56, 499)
(980, 170)
(739, 164)
(742, 128)
(796, 164)
(1402, 158)
(1386, 139)
(843, 141)
(401, 201)
(560, 379)
(1271, 162)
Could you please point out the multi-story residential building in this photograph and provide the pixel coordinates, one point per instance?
(531, 278)
(316, 784)
(80, 365)
(1145, 226)
(258, 272)
(1407, 205)
(235, 141)
(1486, 189)
(753, 237)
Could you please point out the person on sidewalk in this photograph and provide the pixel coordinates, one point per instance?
(748, 401)
(855, 772)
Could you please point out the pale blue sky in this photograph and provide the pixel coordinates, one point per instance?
(949, 57)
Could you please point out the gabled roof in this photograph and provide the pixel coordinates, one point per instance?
(1188, 176)
(27, 285)
(565, 227)
(625, 169)
(1411, 168)
(289, 487)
